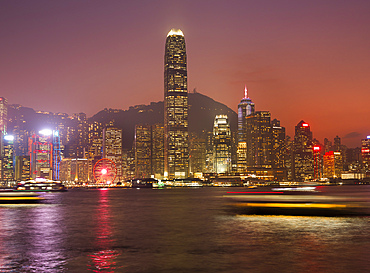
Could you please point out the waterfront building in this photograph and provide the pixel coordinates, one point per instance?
(128, 164)
(278, 144)
(176, 152)
(332, 165)
(303, 152)
(289, 160)
(365, 155)
(317, 162)
(209, 152)
(112, 148)
(3, 115)
(41, 155)
(149, 151)
(7, 158)
(22, 168)
(157, 153)
(75, 170)
(143, 151)
(222, 144)
(197, 149)
(259, 140)
(242, 157)
(278, 153)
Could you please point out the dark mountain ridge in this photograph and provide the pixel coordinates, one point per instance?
(202, 112)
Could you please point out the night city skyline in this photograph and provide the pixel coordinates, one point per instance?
(300, 61)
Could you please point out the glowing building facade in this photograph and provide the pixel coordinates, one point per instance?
(112, 148)
(222, 144)
(245, 108)
(149, 151)
(259, 140)
(333, 165)
(143, 151)
(303, 152)
(7, 158)
(176, 150)
(41, 155)
(365, 155)
(3, 115)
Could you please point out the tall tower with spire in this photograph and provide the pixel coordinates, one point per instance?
(176, 149)
(245, 108)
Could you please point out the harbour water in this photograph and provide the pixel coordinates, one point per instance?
(173, 230)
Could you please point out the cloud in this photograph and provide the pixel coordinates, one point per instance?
(352, 135)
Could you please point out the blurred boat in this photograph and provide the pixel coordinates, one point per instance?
(307, 200)
(40, 186)
(18, 197)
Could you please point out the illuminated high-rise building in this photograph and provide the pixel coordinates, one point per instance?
(259, 140)
(278, 150)
(41, 155)
(278, 144)
(365, 154)
(222, 144)
(303, 152)
(332, 165)
(7, 158)
(157, 150)
(112, 148)
(245, 108)
(3, 115)
(22, 168)
(143, 151)
(316, 162)
(176, 152)
(197, 150)
(149, 151)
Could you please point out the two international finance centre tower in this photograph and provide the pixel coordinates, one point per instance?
(176, 142)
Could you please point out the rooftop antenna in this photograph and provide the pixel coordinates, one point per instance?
(246, 92)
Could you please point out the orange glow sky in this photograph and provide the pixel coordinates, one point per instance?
(305, 60)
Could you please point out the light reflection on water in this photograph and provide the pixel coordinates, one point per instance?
(177, 230)
(32, 238)
(104, 258)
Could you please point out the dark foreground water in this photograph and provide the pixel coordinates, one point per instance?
(172, 230)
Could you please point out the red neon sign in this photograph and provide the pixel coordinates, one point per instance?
(316, 148)
(366, 150)
(304, 124)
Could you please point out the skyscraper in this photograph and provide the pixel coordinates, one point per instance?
(333, 165)
(112, 147)
(148, 147)
(3, 115)
(222, 144)
(259, 140)
(245, 108)
(176, 152)
(143, 151)
(303, 152)
(365, 152)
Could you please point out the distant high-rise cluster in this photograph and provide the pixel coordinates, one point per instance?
(250, 145)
